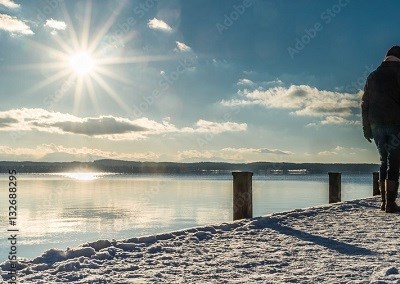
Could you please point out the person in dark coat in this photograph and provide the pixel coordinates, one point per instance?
(381, 121)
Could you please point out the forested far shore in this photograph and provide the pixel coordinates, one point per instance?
(133, 167)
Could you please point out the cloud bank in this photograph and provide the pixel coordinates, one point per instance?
(46, 151)
(343, 151)
(336, 108)
(107, 127)
(230, 154)
(99, 126)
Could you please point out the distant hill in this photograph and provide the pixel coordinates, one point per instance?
(118, 166)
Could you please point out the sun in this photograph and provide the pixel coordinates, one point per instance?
(82, 63)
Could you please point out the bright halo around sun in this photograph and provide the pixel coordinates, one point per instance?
(82, 63)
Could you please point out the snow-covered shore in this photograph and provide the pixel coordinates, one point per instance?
(351, 242)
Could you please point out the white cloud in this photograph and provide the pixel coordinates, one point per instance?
(53, 152)
(34, 153)
(257, 150)
(275, 151)
(195, 154)
(342, 151)
(245, 82)
(231, 154)
(259, 85)
(156, 24)
(107, 127)
(9, 4)
(337, 120)
(203, 126)
(55, 25)
(180, 46)
(302, 100)
(59, 152)
(327, 153)
(275, 83)
(349, 149)
(14, 26)
(46, 150)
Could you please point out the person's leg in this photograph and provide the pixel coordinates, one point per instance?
(383, 169)
(381, 141)
(392, 184)
(380, 138)
(393, 150)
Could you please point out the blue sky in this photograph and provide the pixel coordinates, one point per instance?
(235, 81)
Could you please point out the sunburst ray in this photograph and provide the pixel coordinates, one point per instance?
(42, 84)
(92, 94)
(86, 25)
(113, 75)
(72, 33)
(106, 27)
(78, 95)
(103, 84)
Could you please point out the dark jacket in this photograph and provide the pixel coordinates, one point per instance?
(381, 99)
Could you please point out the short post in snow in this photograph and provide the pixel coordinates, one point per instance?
(242, 195)
(375, 183)
(335, 187)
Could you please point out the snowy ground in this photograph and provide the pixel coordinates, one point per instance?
(352, 242)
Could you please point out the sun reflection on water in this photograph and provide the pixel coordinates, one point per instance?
(85, 176)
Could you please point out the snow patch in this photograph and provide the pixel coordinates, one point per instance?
(104, 255)
(98, 245)
(128, 246)
(41, 267)
(54, 255)
(201, 236)
(154, 249)
(147, 239)
(51, 256)
(79, 252)
(351, 242)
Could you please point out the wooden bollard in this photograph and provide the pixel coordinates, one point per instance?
(242, 195)
(335, 187)
(375, 184)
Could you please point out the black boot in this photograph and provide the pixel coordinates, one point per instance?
(392, 188)
(383, 194)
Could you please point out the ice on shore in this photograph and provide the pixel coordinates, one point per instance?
(351, 242)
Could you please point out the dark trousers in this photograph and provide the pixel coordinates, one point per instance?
(387, 140)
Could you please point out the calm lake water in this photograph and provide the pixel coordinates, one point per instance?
(60, 211)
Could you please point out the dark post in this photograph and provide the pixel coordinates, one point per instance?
(335, 187)
(375, 184)
(242, 195)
